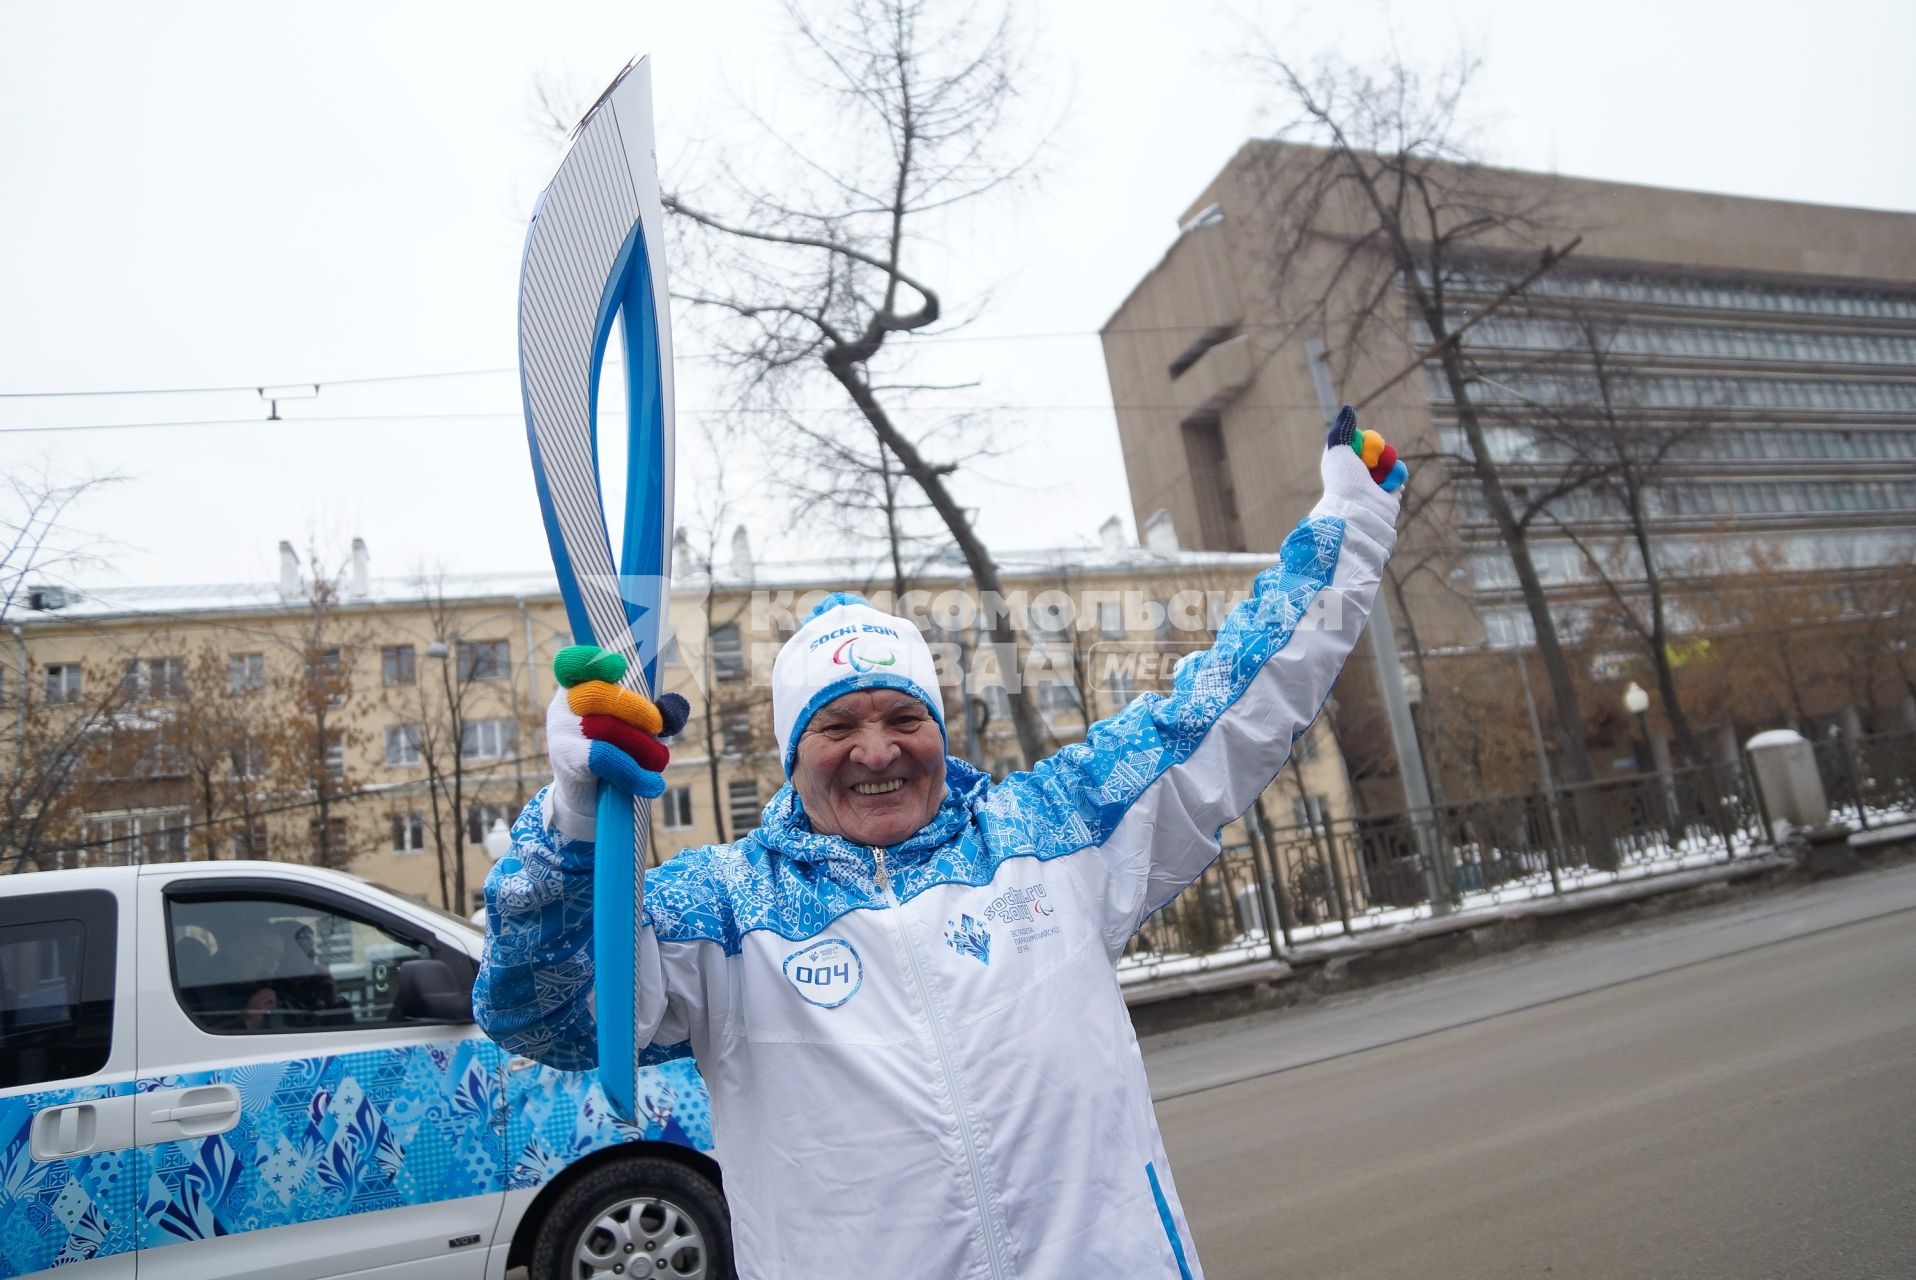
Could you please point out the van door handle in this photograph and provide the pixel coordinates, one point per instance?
(197, 1111)
(82, 1128)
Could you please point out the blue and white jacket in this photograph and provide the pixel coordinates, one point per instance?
(920, 1061)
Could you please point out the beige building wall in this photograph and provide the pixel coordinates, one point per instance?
(724, 766)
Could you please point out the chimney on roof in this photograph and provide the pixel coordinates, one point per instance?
(359, 583)
(289, 583)
(1111, 534)
(1160, 535)
(742, 566)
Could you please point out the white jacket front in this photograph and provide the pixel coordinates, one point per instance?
(920, 1061)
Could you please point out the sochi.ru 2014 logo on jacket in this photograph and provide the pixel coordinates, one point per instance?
(827, 973)
(969, 937)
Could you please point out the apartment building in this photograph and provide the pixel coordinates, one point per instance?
(210, 719)
(1762, 352)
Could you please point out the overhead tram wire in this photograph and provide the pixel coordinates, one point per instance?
(921, 340)
(809, 410)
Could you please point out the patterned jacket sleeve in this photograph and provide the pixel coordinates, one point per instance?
(534, 993)
(1151, 787)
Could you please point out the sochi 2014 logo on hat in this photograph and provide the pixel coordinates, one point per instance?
(861, 655)
(827, 973)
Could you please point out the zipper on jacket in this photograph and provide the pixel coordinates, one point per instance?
(992, 1246)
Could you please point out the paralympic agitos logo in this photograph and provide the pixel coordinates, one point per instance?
(849, 655)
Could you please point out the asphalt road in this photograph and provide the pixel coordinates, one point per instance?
(1726, 1093)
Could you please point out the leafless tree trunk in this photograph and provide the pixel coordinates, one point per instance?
(1401, 203)
(49, 739)
(817, 272)
(1621, 458)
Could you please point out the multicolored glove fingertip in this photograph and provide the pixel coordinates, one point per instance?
(1378, 455)
(1343, 429)
(577, 663)
(620, 772)
(674, 711)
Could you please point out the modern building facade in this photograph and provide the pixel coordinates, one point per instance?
(1759, 356)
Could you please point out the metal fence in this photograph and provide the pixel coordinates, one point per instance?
(1302, 884)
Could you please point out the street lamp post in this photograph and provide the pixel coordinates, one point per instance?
(1637, 702)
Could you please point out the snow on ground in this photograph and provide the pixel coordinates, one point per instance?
(1648, 860)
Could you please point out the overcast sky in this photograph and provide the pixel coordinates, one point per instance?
(230, 195)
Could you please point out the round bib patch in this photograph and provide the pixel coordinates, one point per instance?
(827, 973)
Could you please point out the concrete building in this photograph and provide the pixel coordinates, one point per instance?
(207, 719)
(1771, 345)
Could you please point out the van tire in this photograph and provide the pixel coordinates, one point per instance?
(618, 1209)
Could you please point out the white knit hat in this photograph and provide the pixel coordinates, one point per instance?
(844, 646)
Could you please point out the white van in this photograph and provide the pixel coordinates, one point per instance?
(262, 1069)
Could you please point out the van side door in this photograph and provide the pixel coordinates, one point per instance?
(69, 1176)
(303, 1119)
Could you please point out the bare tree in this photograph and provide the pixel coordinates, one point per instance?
(52, 718)
(1601, 446)
(820, 274)
(1390, 199)
(316, 753)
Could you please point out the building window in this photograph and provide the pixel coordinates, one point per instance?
(154, 678)
(250, 841)
(735, 729)
(479, 820)
(489, 739)
(409, 832)
(333, 760)
(741, 805)
(331, 842)
(66, 682)
(484, 660)
(728, 653)
(329, 675)
(1058, 698)
(136, 838)
(675, 808)
(249, 760)
(1111, 619)
(398, 664)
(402, 744)
(245, 672)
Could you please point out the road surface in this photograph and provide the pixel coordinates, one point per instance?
(1724, 1093)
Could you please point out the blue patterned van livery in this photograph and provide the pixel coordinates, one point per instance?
(58, 1212)
(559, 1117)
(324, 1138)
(330, 1137)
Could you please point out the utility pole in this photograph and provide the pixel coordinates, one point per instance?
(1390, 681)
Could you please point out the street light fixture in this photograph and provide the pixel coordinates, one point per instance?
(1637, 702)
(498, 840)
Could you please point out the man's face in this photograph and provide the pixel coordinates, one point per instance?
(870, 767)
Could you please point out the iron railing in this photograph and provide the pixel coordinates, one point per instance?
(1306, 883)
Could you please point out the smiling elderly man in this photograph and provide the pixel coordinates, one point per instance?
(900, 987)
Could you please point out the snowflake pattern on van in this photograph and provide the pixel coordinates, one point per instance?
(56, 1212)
(323, 1138)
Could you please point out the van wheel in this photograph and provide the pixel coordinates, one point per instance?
(639, 1218)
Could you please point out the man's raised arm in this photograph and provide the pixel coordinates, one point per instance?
(1153, 785)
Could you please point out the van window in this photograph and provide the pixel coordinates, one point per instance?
(56, 986)
(247, 965)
